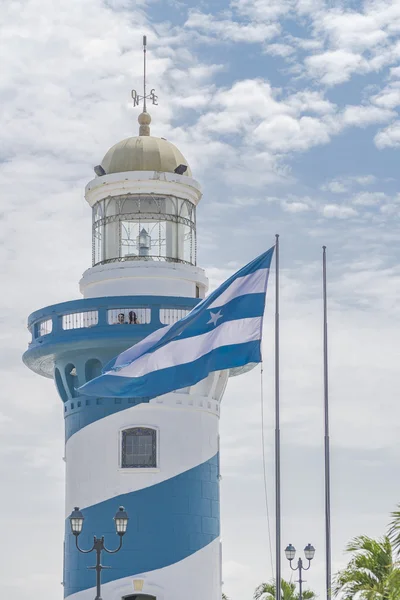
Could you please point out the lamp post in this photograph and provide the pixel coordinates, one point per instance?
(76, 519)
(309, 552)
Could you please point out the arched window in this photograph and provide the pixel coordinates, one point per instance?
(92, 369)
(71, 379)
(59, 385)
(139, 448)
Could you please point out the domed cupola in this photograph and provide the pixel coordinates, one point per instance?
(145, 153)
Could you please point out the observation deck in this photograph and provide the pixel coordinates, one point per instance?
(94, 325)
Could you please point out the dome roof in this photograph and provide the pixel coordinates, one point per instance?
(144, 153)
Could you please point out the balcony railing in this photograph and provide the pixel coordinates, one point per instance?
(84, 318)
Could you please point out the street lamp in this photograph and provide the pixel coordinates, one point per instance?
(76, 519)
(309, 552)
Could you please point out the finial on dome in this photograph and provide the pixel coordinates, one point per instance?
(144, 118)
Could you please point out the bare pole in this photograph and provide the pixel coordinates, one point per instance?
(328, 550)
(144, 72)
(278, 574)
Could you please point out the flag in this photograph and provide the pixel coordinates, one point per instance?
(222, 332)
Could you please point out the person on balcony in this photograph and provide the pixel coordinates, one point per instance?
(133, 320)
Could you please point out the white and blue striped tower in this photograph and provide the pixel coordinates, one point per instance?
(157, 458)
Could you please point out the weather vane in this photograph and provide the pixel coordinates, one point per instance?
(152, 96)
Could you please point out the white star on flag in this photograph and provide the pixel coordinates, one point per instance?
(214, 317)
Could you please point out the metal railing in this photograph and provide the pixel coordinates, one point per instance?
(169, 316)
(88, 318)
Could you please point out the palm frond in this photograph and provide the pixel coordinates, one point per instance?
(394, 529)
(371, 573)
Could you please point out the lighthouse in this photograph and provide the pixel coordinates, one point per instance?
(158, 458)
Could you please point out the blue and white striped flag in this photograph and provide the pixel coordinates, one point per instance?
(222, 332)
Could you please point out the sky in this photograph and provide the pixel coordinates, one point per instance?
(287, 111)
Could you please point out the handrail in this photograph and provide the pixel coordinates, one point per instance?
(98, 310)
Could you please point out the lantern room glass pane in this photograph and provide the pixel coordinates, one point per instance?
(144, 228)
(143, 239)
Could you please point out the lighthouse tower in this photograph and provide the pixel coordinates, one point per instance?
(158, 458)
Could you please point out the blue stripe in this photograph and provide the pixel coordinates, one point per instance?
(167, 523)
(162, 381)
(83, 411)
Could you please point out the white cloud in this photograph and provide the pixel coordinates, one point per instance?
(362, 116)
(390, 209)
(262, 10)
(334, 66)
(389, 137)
(338, 211)
(283, 50)
(229, 30)
(344, 42)
(395, 72)
(342, 185)
(352, 30)
(356, 41)
(389, 97)
(368, 198)
(310, 101)
(364, 179)
(285, 133)
(336, 186)
(295, 207)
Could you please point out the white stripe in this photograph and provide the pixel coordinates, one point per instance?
(134, 351)
(186, 438)
(254, 283)
(197, 576)
(180, 352)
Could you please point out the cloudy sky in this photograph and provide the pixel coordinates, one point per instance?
(287, 111)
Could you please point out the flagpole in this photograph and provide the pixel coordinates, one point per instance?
(278, 575)
(328, 553)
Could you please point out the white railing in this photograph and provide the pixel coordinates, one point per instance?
(129, 316)
(88, 318)
(45, 327)
(168, 316)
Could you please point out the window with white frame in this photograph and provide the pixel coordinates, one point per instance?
(139, 448)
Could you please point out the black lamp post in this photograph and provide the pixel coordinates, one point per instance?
(76, 519)
(309, 552)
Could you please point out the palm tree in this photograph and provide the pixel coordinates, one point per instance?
(371, 573)
(267, 591)
(394, 529)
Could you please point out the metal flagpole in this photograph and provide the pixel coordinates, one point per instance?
(328, 554)
(278, 575)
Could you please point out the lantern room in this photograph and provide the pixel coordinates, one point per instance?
(139, 226)
(144, 227)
